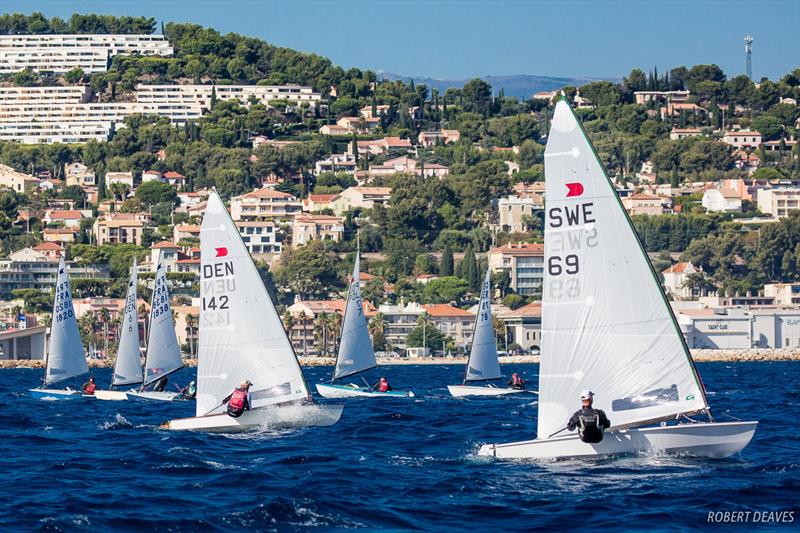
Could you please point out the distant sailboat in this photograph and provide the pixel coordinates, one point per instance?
(483, 364)
(242, 338)
(163, 351)
(128, 366)
(65, 358)
(356, 353)
(607, 325)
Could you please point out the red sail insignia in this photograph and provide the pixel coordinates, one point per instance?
(221, 252)
(575, 189)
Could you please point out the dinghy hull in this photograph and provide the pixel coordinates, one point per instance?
(111, 395)
(353, 391)
(287, 416)
(715, 440)
(158, 396)
(468, 390)
(55, 394)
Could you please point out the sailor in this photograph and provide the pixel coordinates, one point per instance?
(516, 382)
(89, 387)
(239, 400)
(590, 422)
(189, 391)
(161, 384)
(382, 385)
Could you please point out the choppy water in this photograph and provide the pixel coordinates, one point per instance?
(394, 464)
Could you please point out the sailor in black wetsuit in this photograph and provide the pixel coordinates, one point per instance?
(590, 422)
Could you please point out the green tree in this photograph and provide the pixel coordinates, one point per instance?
(309, 271)
(446, 264)
(155, 192)
(444, 290)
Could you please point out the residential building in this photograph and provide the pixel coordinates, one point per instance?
(318, 202)
(168, 252)
(308, 334)
(779, 202)
(514, 212)
(348, 125)
(400, 320)
(643, 97)
(152, 175)
(646, 204)
(675, 278)
(523, 326)
(316, 227)
(524, 263)
(361, 198)
(59, 235)
(783, 293)
(189, 199)
(17, 181)
(185, 231)
(265, 204)
(66, 218)
(126, 178)
(176, 179)
(60, 53)
(336, 163)
(259, 237)
(453, 322)
(683, 133)
(429, 139)
(407, 165)
(80, 175)
(200, 95)
(424, 279)
(722, 200)
(677, 109)
(742, 138)
(119, 228)
(37, 268)
(381, 146)
(545, 95)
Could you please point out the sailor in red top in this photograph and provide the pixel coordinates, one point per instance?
(382, 385)
(516, 382)
(239, 400)
(89, 387)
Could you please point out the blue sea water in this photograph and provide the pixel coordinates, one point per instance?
(391, 464)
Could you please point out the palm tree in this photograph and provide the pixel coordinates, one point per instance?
(698, 283)
(303, 320)
(377, 330)
(120, 190)
(191, 326)
(321, 322)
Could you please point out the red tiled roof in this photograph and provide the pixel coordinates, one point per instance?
(678, 268)
(65, 214)
(321, 198)
(445, 310)
(47, 246)
(267, 193)
(520, 248)
(164, 244)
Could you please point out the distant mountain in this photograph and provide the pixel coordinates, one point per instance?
(520, 85)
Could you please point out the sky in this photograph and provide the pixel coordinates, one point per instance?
(462, 39)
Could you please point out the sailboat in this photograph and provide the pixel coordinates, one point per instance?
(607, 326)
(482, 365)
(65, 357)
(242, 338)
(128, 366)
(163, 351)
(356, 353)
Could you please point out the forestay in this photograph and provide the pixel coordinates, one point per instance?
(483, 363)
(65, 358)
(128, 366)
(606, 323)
(355, 349)
(163, 351)
(241, 334)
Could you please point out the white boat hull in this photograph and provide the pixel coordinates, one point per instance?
(470, 390)
(352, 391)
(111, 395)
(158, 396)
(287, 416)
(56, 394)
(704, 440)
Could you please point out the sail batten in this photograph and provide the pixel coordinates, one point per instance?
(483, 364)
(128, 366)
(356, 353)
(606, 324)
(163, 350)
(65, 357)
(241, 335)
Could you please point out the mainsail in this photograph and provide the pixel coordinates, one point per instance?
(606, 323)
(65, 359)
(355, 350)
(241, 335)
(163, 351)
(128, 367)
(483, 363)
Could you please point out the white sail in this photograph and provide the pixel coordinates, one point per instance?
(163, 351)
(483, 363)
(128, 366)
(65, 358)
(606, 323)
(241, 335)
(355, 349)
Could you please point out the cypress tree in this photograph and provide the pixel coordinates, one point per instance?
(446, 266)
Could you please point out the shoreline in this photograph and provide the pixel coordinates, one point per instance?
(700, 356)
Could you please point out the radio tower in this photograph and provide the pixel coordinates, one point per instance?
(748, 53)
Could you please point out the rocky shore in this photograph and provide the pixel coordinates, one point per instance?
(731, 356)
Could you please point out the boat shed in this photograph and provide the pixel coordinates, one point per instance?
(23, 344)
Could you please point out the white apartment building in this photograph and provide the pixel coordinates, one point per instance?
(64, 52)
(724, 200)
(512, 210)
(309, 227)
(200, 95)
(779, 202)
(265, 204)
(742, 138)
(784, 293)
(524, 263)
(259, 237)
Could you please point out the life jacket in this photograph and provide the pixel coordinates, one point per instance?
(589, 427)
(383, 386)
(237, 402)
(89, 388)
(516, 381)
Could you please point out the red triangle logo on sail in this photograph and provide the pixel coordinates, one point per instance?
(221, 252)
(574, 189)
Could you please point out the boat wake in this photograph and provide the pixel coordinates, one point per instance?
(119, 422)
